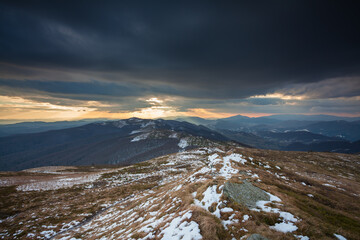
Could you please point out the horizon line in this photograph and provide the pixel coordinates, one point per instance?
(250, 115)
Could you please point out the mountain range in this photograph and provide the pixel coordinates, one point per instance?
(110, 142)
(134, 140)
(290, 132)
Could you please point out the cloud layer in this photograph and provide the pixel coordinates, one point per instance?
(191, 55)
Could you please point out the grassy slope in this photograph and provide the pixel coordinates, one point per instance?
(332, 209)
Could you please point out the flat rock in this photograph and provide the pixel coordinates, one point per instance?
(256, 237)
(244, 173)
(245, 193)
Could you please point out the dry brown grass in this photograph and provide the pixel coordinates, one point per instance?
(210, 226)
(59, 206)
(331, 210)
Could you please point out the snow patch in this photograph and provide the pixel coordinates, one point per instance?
(183, 143)
(140, 137)
(150, 123)
(227, 170)
(338, 236)
(119, 124)
(231, 220)
(284, 227)
(329, 185)
(301, 237)
(236, 158)
(58, 183)
(227, 209)
(288, 220)
(173, 135)
(210, 197)
(179, 228)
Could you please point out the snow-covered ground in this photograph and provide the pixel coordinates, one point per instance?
(60, 182)
(288, 220)
(181, 228)
(183, 143)
(187, 183)
(210, 196)
(140, 137)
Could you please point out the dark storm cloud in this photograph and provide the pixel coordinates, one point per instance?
(79, 88)
(102, 90)
(273, 106)
(225, 50)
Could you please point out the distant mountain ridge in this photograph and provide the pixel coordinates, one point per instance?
(238, 122)
(320, 117)
(38, 126)
(278, 132)
(292, 132)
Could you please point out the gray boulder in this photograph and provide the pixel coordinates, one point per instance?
(256, 237)
(245, 193)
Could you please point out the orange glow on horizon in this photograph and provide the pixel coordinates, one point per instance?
(206, 113)
(210, 113)
(198, 112)
(18, 109)
(255, 115)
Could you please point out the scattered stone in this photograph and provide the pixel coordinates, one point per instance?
(257, 237)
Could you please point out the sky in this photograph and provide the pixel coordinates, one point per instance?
(66, 60)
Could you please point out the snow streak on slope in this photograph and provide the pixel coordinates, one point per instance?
(288, 220)
(227, 169)
(179, 228)
(140, 137)
(210, 198)
(60, 182)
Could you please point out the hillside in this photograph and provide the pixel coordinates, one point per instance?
(112, 142)
(347, 130)
(224, 192)
(328, 146)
